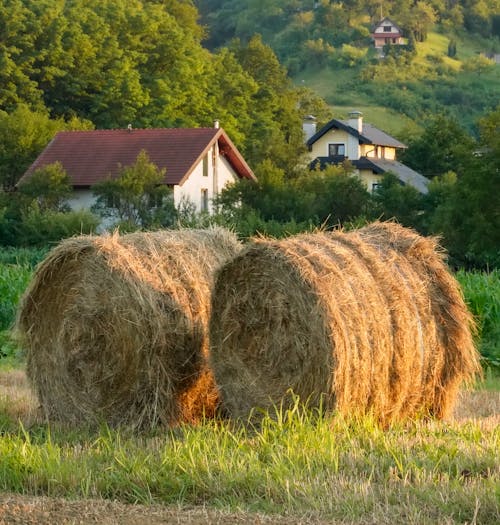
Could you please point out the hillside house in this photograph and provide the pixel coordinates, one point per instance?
(387, 32)
(371, 151)
(199, 162)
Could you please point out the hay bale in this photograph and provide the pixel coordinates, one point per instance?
(115, 327)
(342, 319)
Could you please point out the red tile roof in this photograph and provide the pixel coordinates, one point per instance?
(91, 156)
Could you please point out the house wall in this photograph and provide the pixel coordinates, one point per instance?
(82, 199)
(217, 176)
(335, 136)
(369, 178)
(381, 152)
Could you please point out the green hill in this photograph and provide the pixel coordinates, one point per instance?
(326, 45)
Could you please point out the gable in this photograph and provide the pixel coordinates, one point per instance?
(386, 27)
(92, 156)
(369, 135)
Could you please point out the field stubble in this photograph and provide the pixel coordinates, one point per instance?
(293, 469)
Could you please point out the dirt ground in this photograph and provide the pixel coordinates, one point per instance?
(24, 510)
(17, 401)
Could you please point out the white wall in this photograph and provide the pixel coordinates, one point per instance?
(218, 176)
(81, 200)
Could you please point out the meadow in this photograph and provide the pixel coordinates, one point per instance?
(297, 463)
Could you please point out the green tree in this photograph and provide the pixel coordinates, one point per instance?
(394, 200)
(49, 187)
(469, 217)
(137, 197)
(23, 135)
(443, 146)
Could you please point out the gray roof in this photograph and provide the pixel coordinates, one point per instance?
(404, 173)
(378, 137)
(369, 135)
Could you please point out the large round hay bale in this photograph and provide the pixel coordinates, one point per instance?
(339, 319)
(115, 327)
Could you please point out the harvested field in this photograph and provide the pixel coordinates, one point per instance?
(115, 327)
(369, 321)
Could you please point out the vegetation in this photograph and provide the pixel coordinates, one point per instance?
(136, 198)
(295, 463)
(482, 293)
(440, 67)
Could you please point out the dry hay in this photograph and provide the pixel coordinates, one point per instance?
(115, 327)
(364, 321)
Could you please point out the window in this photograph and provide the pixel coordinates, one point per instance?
(375, 186)
(205, 166)
(204, 199)
(335, 150)
(387, 29)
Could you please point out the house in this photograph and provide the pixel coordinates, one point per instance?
(199, 162)
(387, 32)
(371, 151)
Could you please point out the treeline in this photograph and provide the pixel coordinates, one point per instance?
(108, 63)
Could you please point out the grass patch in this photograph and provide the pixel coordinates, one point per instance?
(297, 462)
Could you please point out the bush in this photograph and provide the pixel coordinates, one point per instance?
(482, 294)
(38, 228)
(13, 282)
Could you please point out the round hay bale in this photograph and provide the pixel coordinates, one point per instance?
(455, 326)
(116, 327)
(338, 321)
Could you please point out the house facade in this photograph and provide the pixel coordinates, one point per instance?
(198, 162)
(371, 151)
(387, 32)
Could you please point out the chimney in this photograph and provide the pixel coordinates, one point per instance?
(356, 121)
(309, 126)
(216, 124)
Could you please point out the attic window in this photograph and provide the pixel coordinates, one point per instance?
(387, 29)
(335, 150)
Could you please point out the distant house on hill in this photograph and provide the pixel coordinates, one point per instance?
(199, 162)
(387, 32)
(370, 150)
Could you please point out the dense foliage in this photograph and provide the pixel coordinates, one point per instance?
(311, 37)
(79, 65)
(108, 63)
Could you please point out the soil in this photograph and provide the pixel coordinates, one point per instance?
(28, 510)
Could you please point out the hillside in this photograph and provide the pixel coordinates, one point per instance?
(327, 46)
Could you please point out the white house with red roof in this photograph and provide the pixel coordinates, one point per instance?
(387, 32)
(198, 162)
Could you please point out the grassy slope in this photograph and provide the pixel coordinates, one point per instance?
(338, 87)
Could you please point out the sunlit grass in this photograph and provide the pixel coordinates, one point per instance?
(295, 462)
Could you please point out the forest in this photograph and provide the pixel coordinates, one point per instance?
(79, 64)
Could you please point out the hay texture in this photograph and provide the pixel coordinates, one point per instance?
(369, 321)
(115, 327)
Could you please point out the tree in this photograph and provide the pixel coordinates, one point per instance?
(49, 187)
(443, 146)
(23, 135)
(469, 217)
(137, 197)
(394, 200)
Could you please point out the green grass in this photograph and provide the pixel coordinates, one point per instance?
(299, 463)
